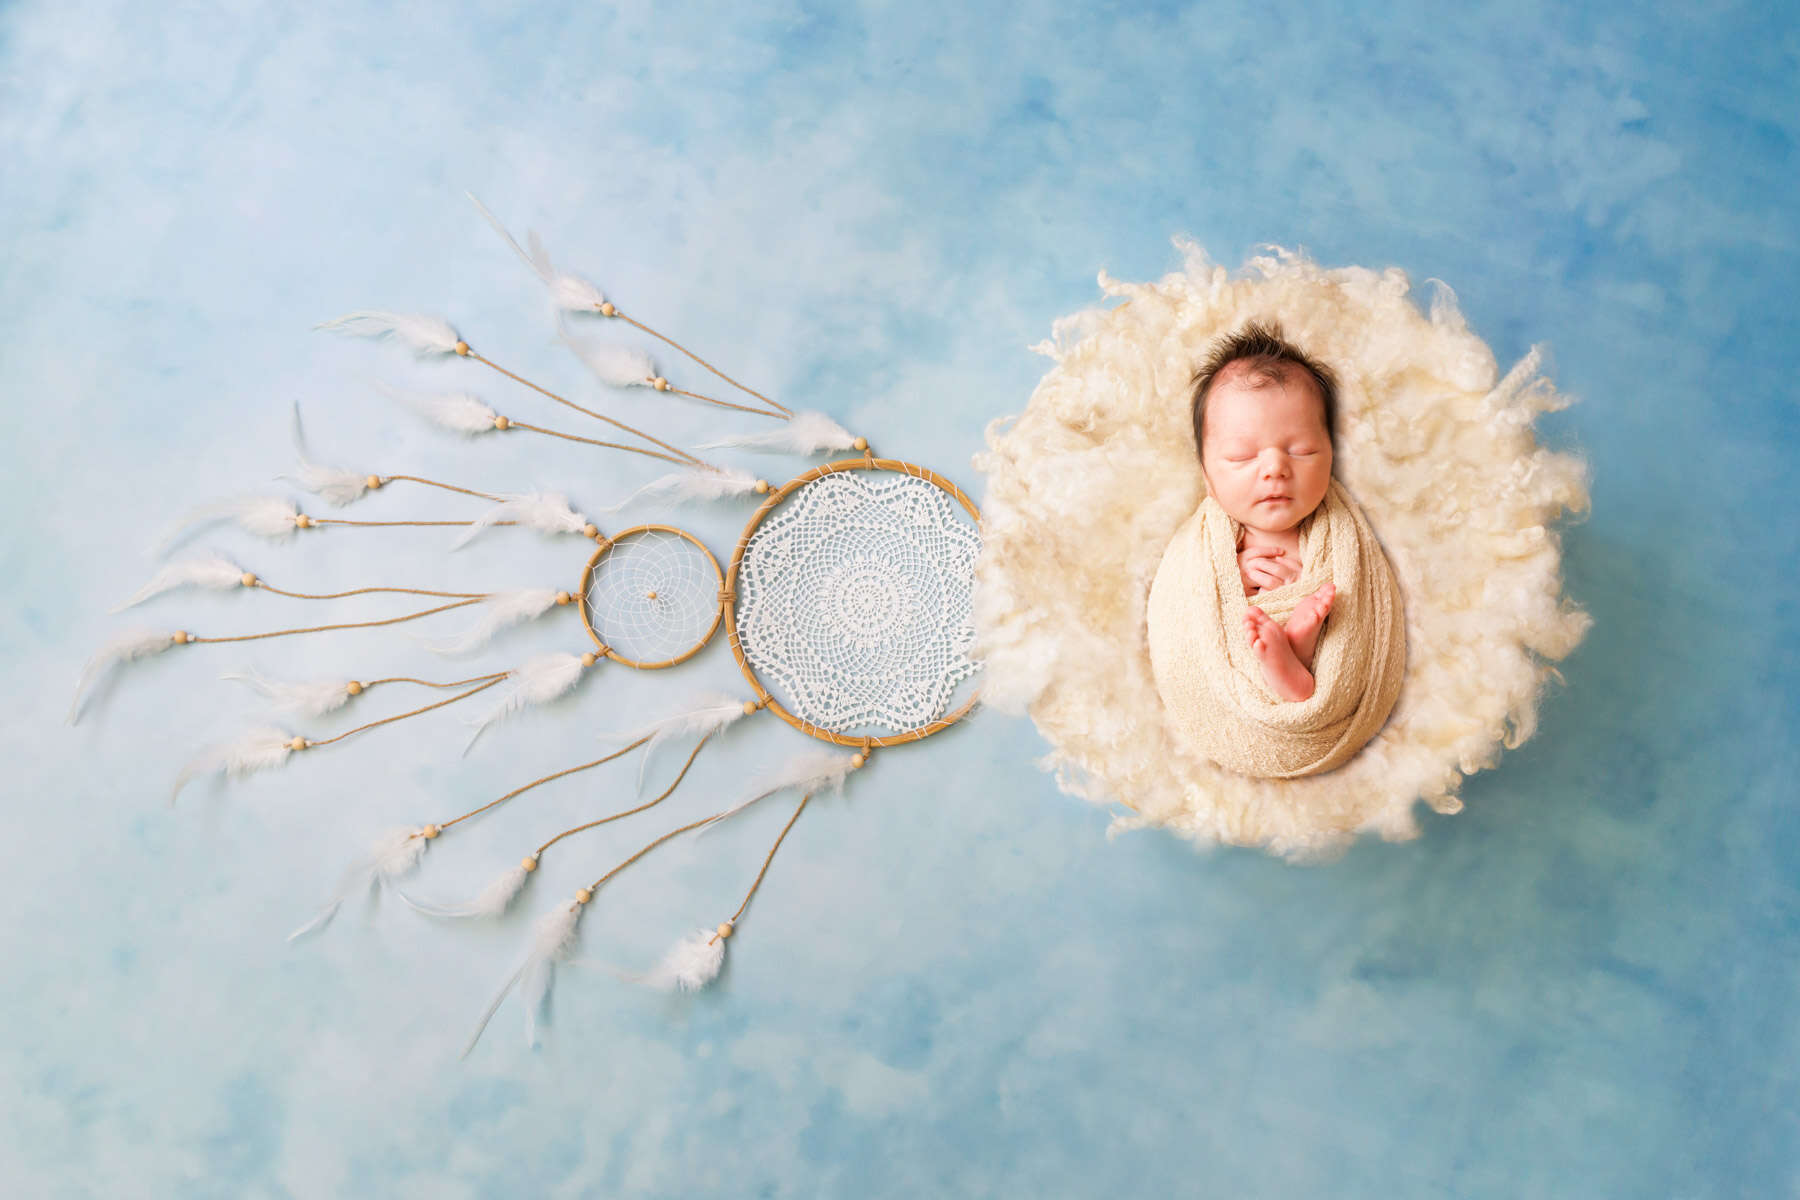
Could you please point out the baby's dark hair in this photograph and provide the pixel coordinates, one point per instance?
(1267, 357)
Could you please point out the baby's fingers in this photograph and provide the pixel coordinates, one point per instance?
(1261, 552)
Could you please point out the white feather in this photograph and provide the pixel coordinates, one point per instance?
(257, 750)
(314, 698)
(458, 412)
(393, 856)
(803, 433)
(551, 938)
(567, 291)
(425, 335)
(214, 571)
(127, 647)
(498, 611)
(711, 712)
(494, 899)
(265, 516)
(700, 483)
(810, 771)
(691, 964)
(336, 485)
(615, 366)
(538, 681)
(545, 511)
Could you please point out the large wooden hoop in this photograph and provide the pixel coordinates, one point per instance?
(868, 462)
(587, 576)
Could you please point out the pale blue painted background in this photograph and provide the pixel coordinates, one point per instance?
(952, 984)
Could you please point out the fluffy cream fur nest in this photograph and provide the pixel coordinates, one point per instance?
(1086, 487)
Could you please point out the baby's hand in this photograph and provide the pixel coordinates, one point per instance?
(1264, 568)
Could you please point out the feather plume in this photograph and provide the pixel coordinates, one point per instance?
(265, 516)
(803, 433)
(615, 366)
(545, 511)
(691, 964)
(458, 412)
(127, 647)
(338, 486)
(711, 712)
(393, 856)
(425, 335)
(567, 291)
(257, 750)
(538, 681)
(493, 900)
(214, 571)
(551, 938)
(700, 483)
(314, 698)
(810, 771)
(498, 611)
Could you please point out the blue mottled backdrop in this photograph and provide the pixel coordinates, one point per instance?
(952, 983)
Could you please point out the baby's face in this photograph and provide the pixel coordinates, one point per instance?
(1266, 454)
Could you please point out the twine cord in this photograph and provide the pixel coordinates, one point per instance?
(545, 779)
(363, 591)
(722, 375)
(588, 441)
(491, 681)
(448, 487)
(252, 637)
(769, 858)
(617, 424)
(692, 755)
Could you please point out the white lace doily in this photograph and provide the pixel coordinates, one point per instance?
(854, 601)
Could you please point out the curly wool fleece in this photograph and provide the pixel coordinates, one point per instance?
(1088, 485)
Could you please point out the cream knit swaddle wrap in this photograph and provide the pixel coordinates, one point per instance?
(1211, 682)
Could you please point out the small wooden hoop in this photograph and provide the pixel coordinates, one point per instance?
(587, 576)
(868, 462)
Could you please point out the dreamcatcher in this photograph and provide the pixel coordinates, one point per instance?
(846, 602)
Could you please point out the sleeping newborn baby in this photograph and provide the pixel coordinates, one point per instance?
(1263, 420)
(1250, 672)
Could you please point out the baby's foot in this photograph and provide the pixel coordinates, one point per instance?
(1286, 676)
(1307, 619)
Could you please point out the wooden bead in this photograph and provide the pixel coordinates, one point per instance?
(861, 443)
(430, 832)
(607, 310)
(589, 659)
(762, 487)
(247, 579)
(181, 637)
(660, 384)
(649, 595)
(749, 707)
(589, 531)
(584, 895)
(297, 743)
(724, 930)
(354, 688)
(502, 423)
(528, 865)
(857, 760)
(564, 598)
(303, 521)
(372, 482)
(462, 348)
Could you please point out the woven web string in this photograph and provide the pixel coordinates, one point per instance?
(854, 599)
(653, 596)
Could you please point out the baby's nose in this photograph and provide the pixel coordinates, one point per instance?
(1274, 464)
